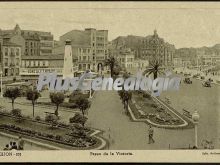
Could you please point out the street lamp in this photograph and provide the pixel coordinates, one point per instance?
(1, 84)
(195, 117)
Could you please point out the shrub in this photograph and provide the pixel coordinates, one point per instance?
(78, 118)
(74, 96)
(16, 112)
(146, 95)
(52, 119)
(37, 118)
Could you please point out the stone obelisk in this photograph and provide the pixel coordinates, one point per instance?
(68, 60)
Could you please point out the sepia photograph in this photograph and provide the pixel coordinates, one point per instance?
(109, 76)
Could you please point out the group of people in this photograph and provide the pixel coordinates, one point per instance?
(15, 146)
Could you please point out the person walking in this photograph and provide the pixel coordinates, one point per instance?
(14, 146)
(150, 134)
(20, 143)
(6, 147)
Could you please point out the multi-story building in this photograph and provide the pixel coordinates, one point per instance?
(155, 47)
(32, 66)
(89, 47)
(32, 42)
(177, 62)
(126, 58)
(147, 48)
(10, 58)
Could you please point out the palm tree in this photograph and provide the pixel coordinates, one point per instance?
(111, 62)
(155, 67)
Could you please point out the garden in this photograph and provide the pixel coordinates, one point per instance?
(71, 135)
(146, 108)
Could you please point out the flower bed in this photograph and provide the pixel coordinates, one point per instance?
(72, 135)
(145, 107)
(83, 141)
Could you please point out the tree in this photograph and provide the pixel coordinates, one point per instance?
(126, 96)
(83, 104)
(57, 98)
(74, 95)
(154, 67)
(111, 62)
(12, 93)
(32, 95)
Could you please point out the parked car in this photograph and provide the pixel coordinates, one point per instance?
(202, 77)
(196, 75)
(187, 80)
(206, 83)
(211, 80)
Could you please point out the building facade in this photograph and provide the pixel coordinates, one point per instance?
(10, 59)
(32, 42)
(89, 47)
(146, 48)
(126, 58)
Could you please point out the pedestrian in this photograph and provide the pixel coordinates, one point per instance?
(11, 144)
(150, 134)
(20, 143)
(6, 147)
(14, 146)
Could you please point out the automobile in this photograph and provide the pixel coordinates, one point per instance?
(202, 77)
(196, 75)
(187, 80)
(206, 83)
(211, 80)
(187, 74)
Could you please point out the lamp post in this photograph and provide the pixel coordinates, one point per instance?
(195, 117)
(1, 84)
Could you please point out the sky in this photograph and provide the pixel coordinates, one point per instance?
(181, 24)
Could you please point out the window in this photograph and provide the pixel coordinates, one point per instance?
(6, 51)
(6, 62)
(17, 61)
(17, 52)
(12, 52)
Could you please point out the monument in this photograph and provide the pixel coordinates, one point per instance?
(68, 60)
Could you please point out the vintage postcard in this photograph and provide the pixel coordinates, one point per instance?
(109, 81)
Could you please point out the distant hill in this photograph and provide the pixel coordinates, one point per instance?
(192, 52)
